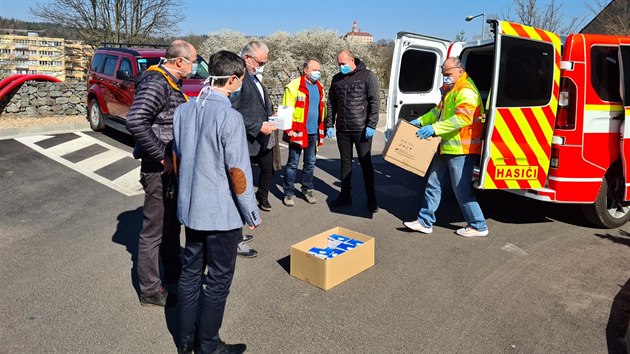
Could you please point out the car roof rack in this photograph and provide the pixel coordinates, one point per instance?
(133, 45)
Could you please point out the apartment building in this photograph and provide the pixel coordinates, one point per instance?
(29, 52)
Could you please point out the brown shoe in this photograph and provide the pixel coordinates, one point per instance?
(157, 299)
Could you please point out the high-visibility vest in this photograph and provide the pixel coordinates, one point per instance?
(296, 96)
(457, 119)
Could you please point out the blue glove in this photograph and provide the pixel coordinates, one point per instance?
(425, 132)
(415, 122)
(330, 132)
(369, 132)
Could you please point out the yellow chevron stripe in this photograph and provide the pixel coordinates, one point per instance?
(553, 104)
(506, 28)
(531, 32)
(509, 141)
(527, 131)
(488, 183)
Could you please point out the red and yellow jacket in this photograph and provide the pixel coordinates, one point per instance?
(296, 96)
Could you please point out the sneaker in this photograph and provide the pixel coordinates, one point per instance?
(244, 250)
(471, 232)
(288, 200)
(247, 238)
(263, 203)
(417, 226)
(310, 198)
(341, 200)
(157, 299)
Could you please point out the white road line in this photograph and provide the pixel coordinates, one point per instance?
(126, 184)
(101, 160)
(70, 146)
(130, 179)
(514, 249)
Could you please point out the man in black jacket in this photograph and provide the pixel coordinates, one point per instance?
(150, 121)
(353, 106)
(254, 104)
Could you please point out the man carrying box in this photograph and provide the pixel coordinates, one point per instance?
(306, 95)
(457, 119)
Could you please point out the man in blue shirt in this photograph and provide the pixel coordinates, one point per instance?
(306, 95)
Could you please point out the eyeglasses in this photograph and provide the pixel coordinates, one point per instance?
(258, 62)
(452, 67)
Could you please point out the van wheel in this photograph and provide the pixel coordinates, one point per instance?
(95, 116)
(609, 210)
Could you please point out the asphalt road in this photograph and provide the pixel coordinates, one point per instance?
(543, 281)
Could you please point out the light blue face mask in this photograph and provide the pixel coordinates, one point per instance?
(315, 75)
(448, 81)
(345, 69)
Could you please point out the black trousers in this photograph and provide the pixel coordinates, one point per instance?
(264, 160)
(160, 230)
(216, 252)
(345, 141)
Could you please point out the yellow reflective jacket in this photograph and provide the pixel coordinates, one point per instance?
(296, 96)
(459, 125)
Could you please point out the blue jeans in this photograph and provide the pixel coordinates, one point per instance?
(290, 170)
(458, 169)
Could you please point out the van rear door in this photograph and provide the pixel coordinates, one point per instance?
(624, 81)
(415, 79)
(522, 109)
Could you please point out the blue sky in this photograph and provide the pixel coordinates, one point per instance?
(382, 18)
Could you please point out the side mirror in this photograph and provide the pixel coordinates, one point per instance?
(123, 75)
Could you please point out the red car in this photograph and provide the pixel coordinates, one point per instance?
(111, 83)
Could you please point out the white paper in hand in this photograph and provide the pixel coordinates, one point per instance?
(284, 118)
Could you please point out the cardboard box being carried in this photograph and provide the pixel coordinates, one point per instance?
(406, 150)
(327, 273)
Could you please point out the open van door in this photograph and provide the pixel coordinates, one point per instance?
(416, 77)
(624, 88)
(522, 110)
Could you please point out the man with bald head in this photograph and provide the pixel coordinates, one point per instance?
(457, 120)
(150, 121)
(353, 107)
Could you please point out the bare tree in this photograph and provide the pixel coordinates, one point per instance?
(461, 36)
(114, 21)
(547, 16)
(610, 17)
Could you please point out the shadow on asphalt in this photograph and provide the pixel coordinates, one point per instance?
(619, 317)
(127, 234)
(127, 231)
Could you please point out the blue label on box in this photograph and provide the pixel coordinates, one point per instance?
(354, 242)
(345, 246)
(323, 253)
(337, 237)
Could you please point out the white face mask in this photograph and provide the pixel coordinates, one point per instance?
(211, 87)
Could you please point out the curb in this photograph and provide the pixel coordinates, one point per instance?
(11, 133)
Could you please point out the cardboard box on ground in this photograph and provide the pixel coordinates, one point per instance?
(327, 273)
(409, 152)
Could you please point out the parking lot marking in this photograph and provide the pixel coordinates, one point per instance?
(127, 184)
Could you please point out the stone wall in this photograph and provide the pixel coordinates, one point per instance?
(45, 99)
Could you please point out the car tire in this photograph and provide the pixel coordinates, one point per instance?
(95, 116)
(609, 210)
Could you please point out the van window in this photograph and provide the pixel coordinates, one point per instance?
(97, 62)
(605, 73)
(417, 71)
(625, 58)
(110, 65)
(525, 73)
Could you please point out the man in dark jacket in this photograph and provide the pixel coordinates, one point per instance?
(254, 104)
(353, 106)
(150, 121)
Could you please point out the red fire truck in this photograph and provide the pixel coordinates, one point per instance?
(555, 111)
